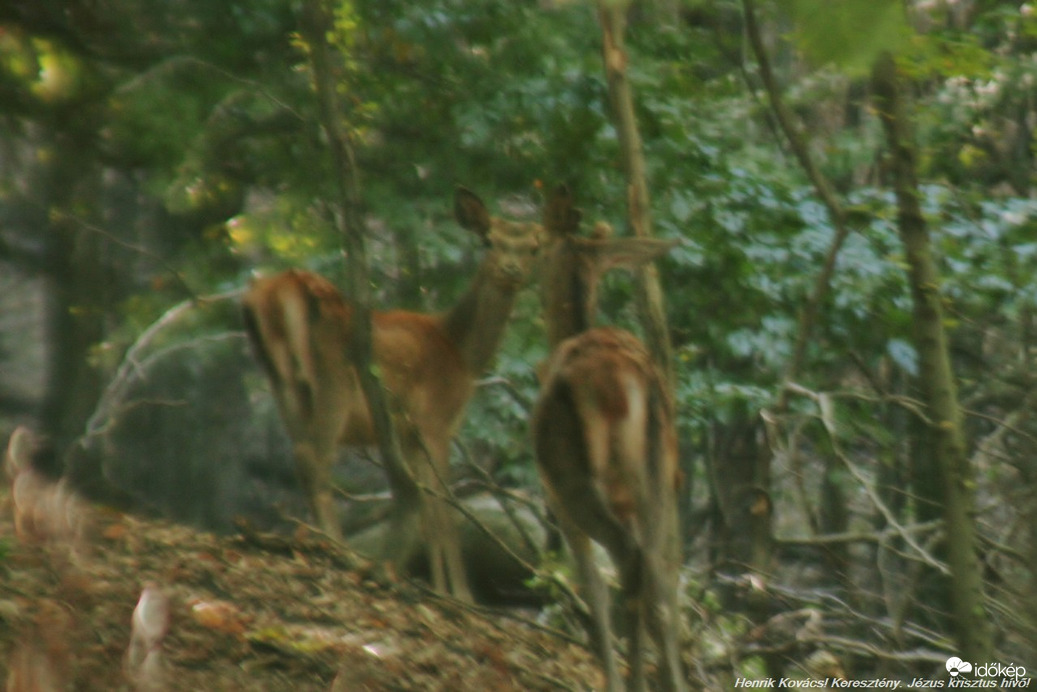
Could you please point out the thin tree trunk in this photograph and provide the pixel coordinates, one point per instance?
(612, 15)
(81, 285)
(936, 380)
(402, 539)
(75, 325)
(832, 498)
(827, 195)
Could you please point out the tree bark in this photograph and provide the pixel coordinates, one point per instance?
(612, 15)
(402, 539)
(936, 379)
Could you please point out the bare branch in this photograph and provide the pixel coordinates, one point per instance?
(135, 363)
(828, 421)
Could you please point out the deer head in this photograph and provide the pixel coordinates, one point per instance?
(572, 265)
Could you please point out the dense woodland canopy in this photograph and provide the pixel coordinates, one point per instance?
(153, 155)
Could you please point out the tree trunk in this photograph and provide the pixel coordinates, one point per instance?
(75, 326)
(825, 192)
(80, 285)
(832, 499)
(612, 15)
(936, 381)
(743, 540)
(402, 539)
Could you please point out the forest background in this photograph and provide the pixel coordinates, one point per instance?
(153, 155)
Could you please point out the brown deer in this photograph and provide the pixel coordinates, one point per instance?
(606, 448)
(300, 325)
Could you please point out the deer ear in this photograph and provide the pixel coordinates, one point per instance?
(471, 213)
(560, 216)
(625, 253)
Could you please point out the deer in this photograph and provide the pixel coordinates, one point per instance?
(299, 326)
(606, 447)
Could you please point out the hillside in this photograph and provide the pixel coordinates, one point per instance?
(255, 612)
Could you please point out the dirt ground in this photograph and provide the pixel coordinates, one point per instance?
(246, 612)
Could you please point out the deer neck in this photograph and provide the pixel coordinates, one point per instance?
(568, 296)
(476, 323)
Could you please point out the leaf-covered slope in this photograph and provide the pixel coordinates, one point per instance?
(255, 613)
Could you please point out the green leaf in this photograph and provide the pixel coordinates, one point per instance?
(849, 33)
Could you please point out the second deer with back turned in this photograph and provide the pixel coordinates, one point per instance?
(300, 326)
(606, 448)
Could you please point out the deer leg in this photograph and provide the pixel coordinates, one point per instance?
(450, 549)
(435, 521)
(661, 612)
(314, 468)
(630, 561)
(597, 596)
(417, 458)
(314, 443)
(599, 523)
(448, 562)
(662, 586)
(443, 539)
(453, 557)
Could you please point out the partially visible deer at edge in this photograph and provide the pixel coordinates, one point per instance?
(299, 325)
(606, 448)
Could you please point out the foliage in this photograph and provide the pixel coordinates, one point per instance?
(850, 34)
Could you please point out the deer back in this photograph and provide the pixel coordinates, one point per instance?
(602, 390)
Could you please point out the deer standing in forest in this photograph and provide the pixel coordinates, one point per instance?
(300, 325)
(606, 447)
